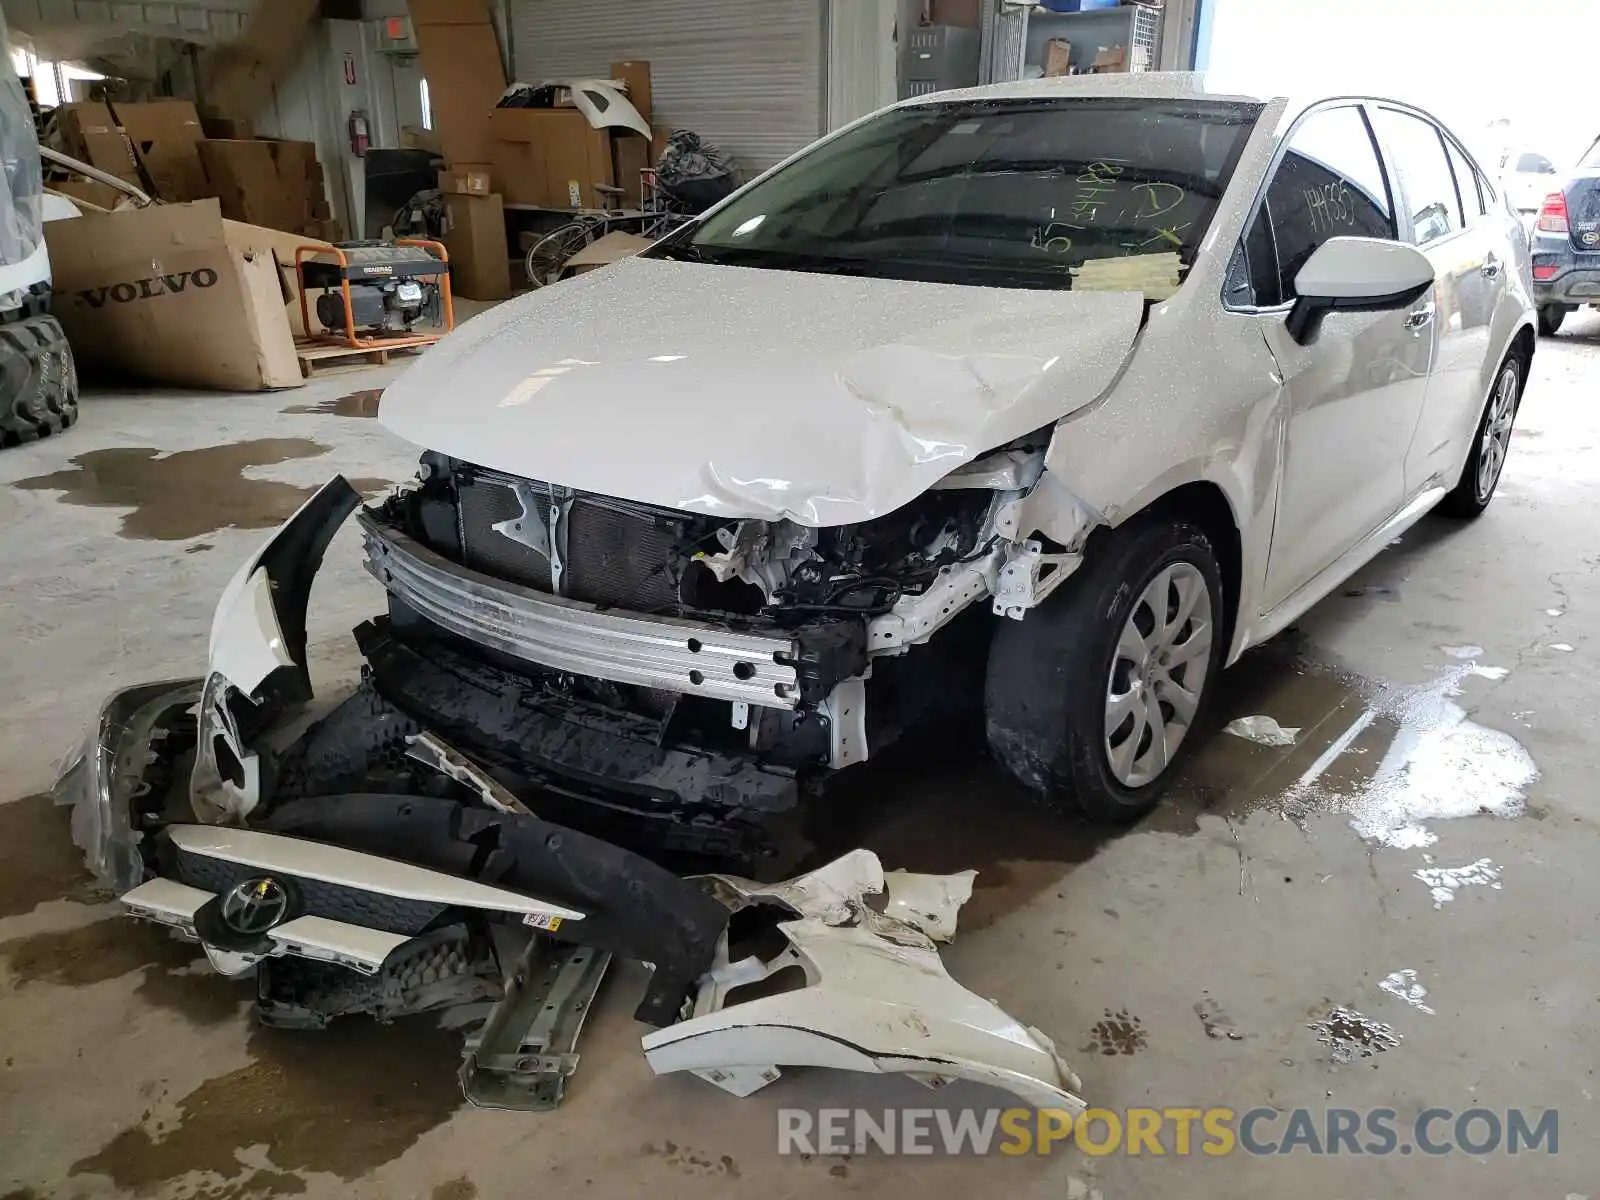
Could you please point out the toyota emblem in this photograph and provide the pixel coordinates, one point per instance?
(255, 906)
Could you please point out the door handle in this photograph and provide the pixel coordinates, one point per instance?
(1419, 317)
(1492, 268)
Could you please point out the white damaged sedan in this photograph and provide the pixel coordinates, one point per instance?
(1033, 405)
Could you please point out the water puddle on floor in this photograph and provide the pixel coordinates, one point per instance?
(38, 862)
(356, 404)
(1389, 759)
(341, 1101)
(1392, 759)
(174, 497)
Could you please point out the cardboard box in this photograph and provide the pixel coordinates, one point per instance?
(1110, 60)
(282, 247)
(90, 133)
(168, 294)
(237, 76)
(415, 137)
(636, 74)
(165, 134)
(1058, 57)
(631, 154)
(550, 157)
(470, 180)
(448, 12)
(604, 251)
(964, 13)
(475, 237)
(227, 127)
(101, 195)
(466, 76)
(277, 184)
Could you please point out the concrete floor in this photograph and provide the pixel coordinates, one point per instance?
(1251, 905)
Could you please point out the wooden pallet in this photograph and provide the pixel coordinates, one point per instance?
(318, 357)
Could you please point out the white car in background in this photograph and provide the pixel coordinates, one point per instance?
(1035, 405)
(1528, 177)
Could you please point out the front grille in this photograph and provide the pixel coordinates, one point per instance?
(320, 898)
(617, 553)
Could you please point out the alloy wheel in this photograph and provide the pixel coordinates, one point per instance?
(1497, 432)
(1158, 673)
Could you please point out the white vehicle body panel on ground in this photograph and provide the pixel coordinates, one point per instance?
(876, 997)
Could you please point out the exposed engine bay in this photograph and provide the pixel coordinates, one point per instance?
(574, 709)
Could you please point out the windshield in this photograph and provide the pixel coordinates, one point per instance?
(1005, 193)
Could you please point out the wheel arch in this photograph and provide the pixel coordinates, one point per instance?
(1206, 503)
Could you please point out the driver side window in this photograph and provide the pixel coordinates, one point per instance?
(1330, 183)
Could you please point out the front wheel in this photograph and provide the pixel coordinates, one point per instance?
(1490, 444)
(1550, 318)
(1091, 699)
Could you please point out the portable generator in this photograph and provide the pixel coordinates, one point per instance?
(377, 293)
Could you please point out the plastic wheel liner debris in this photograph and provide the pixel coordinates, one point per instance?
(406, 851)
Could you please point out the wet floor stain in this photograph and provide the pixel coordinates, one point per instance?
(38, 862)
(1117, 1033)
(1350, 1035)
(702, 1163)
(1404, 985)
(1215, 1020)
(118, 946)
(1444, 882)
(344, 1102)
(460, 1188)
(183, 495)
(355, 404)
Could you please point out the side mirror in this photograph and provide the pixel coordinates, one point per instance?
(1356, 274)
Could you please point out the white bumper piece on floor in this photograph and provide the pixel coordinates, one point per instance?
(307, 935)
(870, 994)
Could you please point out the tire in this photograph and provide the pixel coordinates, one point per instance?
(38, 381)
(1478, 482)
(1052, 675)
(1550, 318)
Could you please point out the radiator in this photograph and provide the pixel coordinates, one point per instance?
(617, 553)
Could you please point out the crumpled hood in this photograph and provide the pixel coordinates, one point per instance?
(733, 391)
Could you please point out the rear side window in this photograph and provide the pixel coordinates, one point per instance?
(1329, 184)
(1473, 202)
(1417, 151)
(1592, 158)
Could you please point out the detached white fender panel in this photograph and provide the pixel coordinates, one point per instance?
(875, 996)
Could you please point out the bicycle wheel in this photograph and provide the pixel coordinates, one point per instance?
(549, 254)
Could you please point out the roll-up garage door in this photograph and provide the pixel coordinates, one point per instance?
(747, 77)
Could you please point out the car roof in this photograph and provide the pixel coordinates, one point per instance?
(1152, 85)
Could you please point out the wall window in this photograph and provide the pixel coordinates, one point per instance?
(1416, 148)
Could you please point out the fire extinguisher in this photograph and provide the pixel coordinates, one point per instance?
(360, 139)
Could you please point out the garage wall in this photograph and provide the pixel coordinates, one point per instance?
(747, 77)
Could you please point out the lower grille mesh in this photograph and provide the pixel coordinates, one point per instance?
(615, 554)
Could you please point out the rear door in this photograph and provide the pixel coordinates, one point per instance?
(1469, 268)
(1353, 396)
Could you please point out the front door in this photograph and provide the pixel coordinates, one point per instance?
(1352, 398)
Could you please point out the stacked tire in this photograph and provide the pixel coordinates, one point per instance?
(38, 381)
